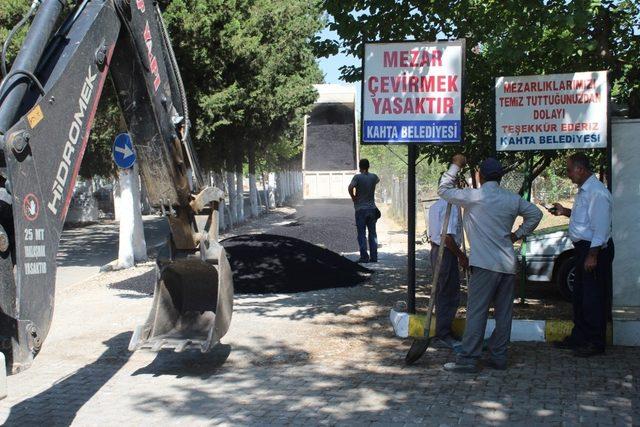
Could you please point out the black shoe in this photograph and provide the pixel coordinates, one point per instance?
(373, 260)
(447, 341)
(490, 363)
(588, 350)
(565, 344)
(362, 260)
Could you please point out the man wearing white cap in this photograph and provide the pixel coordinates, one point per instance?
(490, 212)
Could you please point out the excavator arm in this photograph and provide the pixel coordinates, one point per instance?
(47, 104)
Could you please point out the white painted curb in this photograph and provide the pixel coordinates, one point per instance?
(400, 323)
(626, 332)
(3, 377)
(521, 330)
(620, 332)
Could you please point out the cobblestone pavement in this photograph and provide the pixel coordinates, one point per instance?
(326, 357)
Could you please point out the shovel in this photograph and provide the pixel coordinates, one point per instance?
(464, 246)
(420, 345)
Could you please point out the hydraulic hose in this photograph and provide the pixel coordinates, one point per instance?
(27, 59)
(183, 99)
(176, 73)
(12, 33)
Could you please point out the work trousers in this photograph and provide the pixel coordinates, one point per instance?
(366, 221)
(591, 296)
(485, 287)
(447, 291)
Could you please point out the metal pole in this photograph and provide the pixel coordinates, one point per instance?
(411, 228)
(523, 248)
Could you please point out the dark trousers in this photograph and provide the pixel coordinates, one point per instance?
(447, 291)
(591, 296)
(366, 221)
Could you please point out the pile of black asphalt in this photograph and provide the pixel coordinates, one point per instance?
(268, 263)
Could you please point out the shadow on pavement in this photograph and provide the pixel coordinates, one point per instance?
(192, 363)
(74, 390)
(97, 244)
(138, 287)
(364, 381)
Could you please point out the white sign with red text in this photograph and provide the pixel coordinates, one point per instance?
(412, 92)
(557, 111)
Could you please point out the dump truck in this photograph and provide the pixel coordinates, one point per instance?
(330, 151)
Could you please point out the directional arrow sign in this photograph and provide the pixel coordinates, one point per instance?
(123, 154)
(126, 151)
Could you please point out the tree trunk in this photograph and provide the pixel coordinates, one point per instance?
(253, 188)
(474, 182)
(265, 192)
(139, 243)
(217, 180)
(132, 246)
(287, 185)
(231, 190)
(144, 198)
(276, 191)
(271, 177)
(239, 190)
(279, 189)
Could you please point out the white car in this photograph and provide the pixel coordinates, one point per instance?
(550, 258)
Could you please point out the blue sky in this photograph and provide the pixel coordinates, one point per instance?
(331, 66)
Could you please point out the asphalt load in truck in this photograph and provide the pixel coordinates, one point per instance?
(330, 138)
(268, 263)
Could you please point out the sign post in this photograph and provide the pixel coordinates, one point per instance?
(411, 229)
(132, 246)
(412, 94)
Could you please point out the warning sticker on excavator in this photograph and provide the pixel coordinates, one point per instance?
(35, 116)
(31, 207)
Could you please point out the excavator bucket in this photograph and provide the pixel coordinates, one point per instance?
(193, 297)
(192, 306)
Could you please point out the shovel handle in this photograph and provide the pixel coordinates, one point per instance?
(464, 245)
(436, 270)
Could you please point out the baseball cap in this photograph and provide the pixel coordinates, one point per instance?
(490, 168)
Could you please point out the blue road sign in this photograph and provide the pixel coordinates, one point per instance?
(122, 151)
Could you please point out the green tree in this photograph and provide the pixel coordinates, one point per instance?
(504, 38)
(248, 68)
(97, 158)
(251, 68)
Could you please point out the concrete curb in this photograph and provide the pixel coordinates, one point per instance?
(412, 325)
(3, 377)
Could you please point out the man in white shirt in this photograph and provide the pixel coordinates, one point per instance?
(590, 232)
(448, 286)
(490, 212)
